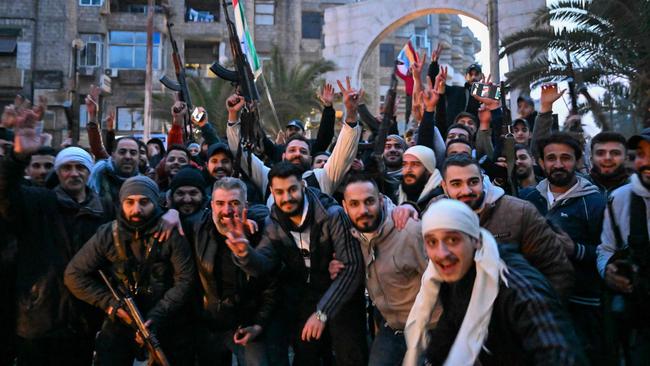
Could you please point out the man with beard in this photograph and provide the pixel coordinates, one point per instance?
(420, 178)
(40, 165)
(524, 170)
(160, 275)
(235, 309)
(608, 157)
(297, 151)
(626, 228)
(107, 176)
(512, 221)
(393, 151)
(576, 206)
(219, 165)
(187, 193)
(177, 157)
(496, 308)
(304, 231)
(50, 226)
(395, 261)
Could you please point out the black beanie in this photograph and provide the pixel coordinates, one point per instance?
(187, 176)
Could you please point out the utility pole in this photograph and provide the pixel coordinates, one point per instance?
(493, 29)
(148, 76)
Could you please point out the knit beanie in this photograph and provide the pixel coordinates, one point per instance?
(73, 154)
(187, 176)
(140, 185)
(451, 215)
(425, 155)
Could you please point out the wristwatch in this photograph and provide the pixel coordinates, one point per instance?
(321, 316)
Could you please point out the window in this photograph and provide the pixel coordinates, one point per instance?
(128, 50)
(83, 115)
(130, 119)
(312, 25)
(90, 2)
(387, 55)
(91, 54)
(265, 12)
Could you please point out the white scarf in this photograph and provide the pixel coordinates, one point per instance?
(473, 331)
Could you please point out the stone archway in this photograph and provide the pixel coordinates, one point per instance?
(353, 30)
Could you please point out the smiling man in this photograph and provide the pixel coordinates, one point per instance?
(420, 178)
(187, 193)
(608, 157)
(107, 176)
(496, 309)
(576, 206)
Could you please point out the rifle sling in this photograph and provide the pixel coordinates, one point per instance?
(638, 222)
(615, 228)
(132, 276)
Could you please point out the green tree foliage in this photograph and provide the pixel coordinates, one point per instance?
(607, 41)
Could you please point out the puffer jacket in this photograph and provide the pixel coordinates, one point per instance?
(395, 261)
(166, 279)
(329, 234)
(234, 298)
(49, 227)
(580, 215)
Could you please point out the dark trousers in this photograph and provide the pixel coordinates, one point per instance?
(389, 345)
(343, 341)
(116, 345)
(588, 322)
(67, 351)
(214, 348)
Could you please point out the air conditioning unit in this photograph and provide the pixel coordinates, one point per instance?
(86, 70)
(111, 72)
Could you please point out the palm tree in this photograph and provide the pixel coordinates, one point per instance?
(293, 90)
(606, 41)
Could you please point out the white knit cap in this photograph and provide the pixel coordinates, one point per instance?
(425, 155)
(73, 154)
(451, 215)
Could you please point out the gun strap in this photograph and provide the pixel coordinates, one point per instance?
(638, 222)
(615, 228)
(131, 275)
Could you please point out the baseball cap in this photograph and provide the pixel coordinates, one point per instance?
(525, 98)
(471, 67)
(295, 123)
(633, 142)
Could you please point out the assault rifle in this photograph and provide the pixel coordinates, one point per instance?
(180, 85)
(251, 132)
(156, 354)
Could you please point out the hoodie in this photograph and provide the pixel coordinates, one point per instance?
(579, 213)
(621, 199)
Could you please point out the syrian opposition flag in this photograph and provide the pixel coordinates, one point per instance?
(247, 45)
(405, 59)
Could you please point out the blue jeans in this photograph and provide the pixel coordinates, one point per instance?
(389, 346)
(214, 347)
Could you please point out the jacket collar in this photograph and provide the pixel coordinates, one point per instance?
(91, 206)
(584, 188)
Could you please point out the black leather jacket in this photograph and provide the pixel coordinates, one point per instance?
(228, 297)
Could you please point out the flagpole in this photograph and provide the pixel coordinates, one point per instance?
(268, 96)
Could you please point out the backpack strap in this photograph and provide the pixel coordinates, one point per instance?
(615, 228)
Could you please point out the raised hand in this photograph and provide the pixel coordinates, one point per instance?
(436, 53)
(326, 95)
(40, 107)
(235, 234)
(417, 66)
(430, 96)
(178, 109)
(281, 138)
(549, 95)
(441, 80)
(484, 117)
(234, 104)
(351, 99)
(91, 102)
(26, 140)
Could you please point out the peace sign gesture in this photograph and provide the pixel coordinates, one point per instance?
(351, 99)
(436, 53)
(235, 235)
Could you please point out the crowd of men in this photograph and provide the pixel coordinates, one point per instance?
(321, 252)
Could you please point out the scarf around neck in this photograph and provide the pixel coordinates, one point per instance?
(490, 269)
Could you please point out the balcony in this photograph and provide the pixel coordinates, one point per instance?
(202, 11)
